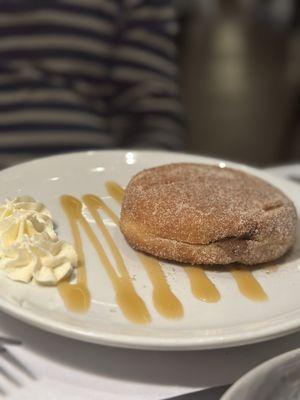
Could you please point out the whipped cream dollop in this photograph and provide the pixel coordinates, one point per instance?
(29, 246)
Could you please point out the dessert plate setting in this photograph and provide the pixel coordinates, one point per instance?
(123, 298)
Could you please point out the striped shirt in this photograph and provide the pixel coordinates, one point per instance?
(81, 74)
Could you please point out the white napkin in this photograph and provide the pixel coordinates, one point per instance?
(68, 369)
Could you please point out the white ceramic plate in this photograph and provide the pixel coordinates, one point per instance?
(276, 379)
(234, 320)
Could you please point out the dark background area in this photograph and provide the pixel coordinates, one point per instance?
(240, 75)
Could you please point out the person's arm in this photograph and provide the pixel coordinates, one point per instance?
(145, 107)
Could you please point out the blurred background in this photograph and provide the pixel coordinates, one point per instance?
(240, 75)
(78, 74)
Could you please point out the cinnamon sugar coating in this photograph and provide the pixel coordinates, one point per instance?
(202, 214)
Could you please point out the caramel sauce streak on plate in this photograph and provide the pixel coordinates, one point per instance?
(129, 301)
(248, 285)
(165, 302)
(115, 191)
(202, 287)
(76, 297)
(109, 213)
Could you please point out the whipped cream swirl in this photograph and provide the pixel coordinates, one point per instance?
(29, 246)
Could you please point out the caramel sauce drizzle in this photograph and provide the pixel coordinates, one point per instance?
(76, 296)
(248, 285)
(115, 191)
(131, 304)
(202, 287)
(164, 300)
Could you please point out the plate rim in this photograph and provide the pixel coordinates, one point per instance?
(143, 342)
(250, 376)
